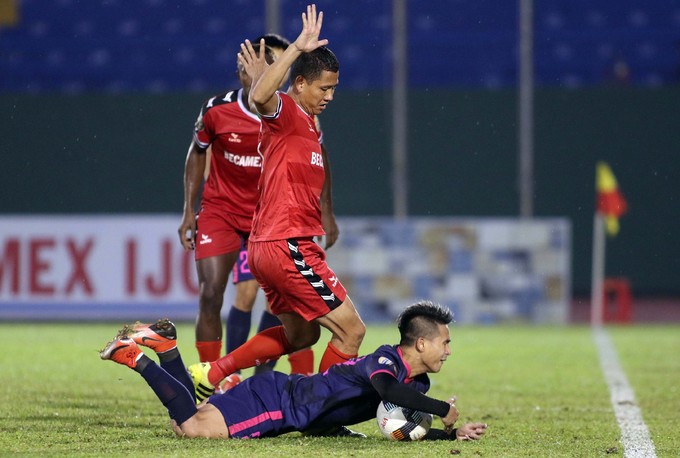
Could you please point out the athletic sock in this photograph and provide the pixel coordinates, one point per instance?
(174, 366)
(208, 350)
(266, 345)
(267, 320)
(302, 362)
(333, 356)
(172, 393)
(238, 328)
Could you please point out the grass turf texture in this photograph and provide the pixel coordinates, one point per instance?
(540, 389)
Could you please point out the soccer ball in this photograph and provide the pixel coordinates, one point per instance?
(401, 424)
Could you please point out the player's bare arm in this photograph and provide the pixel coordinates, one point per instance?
(194, 167)
(263, 93)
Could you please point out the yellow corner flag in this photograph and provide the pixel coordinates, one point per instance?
(610, 202)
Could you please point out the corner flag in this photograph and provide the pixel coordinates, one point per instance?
(610, 202)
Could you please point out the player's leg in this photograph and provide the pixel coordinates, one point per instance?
(217, 246)
(347, 331)
(296, 333)
(317, 294)
(172, 393)
(161, 337)
(213, 274)
(301, 361)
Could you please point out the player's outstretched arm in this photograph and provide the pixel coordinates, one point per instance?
(467, 432)
(263, 93)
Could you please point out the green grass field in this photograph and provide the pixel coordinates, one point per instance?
(540, 389)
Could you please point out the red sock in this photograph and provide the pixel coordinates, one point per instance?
(267, 345)
(209, 350)
(302, 362)
(333, 356)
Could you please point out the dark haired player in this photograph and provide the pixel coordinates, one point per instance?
(228, 128)
(273, 403)
(302, 290)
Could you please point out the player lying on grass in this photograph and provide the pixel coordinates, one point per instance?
(274, 403)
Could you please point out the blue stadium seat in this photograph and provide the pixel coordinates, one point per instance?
(190, 45)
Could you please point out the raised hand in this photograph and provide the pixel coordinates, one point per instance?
(311, 29)
(253, 63)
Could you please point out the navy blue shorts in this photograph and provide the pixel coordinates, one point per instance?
(241, 270)
(255, 407)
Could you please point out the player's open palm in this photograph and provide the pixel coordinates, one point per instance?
(254, 63)
(311, 29)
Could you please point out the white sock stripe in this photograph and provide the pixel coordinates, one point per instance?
(634, 433)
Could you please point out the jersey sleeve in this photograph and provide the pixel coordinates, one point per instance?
(203, 128)
(282, 119)
(380, 364)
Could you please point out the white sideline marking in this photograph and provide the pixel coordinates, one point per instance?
(634, 433)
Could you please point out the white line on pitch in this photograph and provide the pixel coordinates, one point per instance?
(634, 433)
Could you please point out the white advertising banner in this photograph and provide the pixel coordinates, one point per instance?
(96, 262)
(487, 270)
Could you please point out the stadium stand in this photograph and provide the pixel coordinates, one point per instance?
(162, 46)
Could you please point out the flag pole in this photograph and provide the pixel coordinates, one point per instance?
(598, 264)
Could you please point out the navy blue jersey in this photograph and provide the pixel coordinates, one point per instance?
(274, 403)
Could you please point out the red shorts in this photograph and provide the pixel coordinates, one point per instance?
(295, 277)
(219, 233)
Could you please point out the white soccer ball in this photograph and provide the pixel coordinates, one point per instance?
(401, 424)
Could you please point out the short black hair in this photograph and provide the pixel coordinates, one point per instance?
(309, 65)
(273, 40)
(421, 320)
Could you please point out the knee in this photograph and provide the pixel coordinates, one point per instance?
(212, 295)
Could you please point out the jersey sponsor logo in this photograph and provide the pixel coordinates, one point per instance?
(333, 280)
(385, 361)
(234, 138)
(243, 161)
(317, 159)
(205, 238)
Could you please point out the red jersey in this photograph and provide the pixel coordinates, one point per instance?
(292, 175)
(235, 165)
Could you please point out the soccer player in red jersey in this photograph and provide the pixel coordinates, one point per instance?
(302, 290)
(228, 128)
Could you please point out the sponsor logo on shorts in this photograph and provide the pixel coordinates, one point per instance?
(205, 238)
